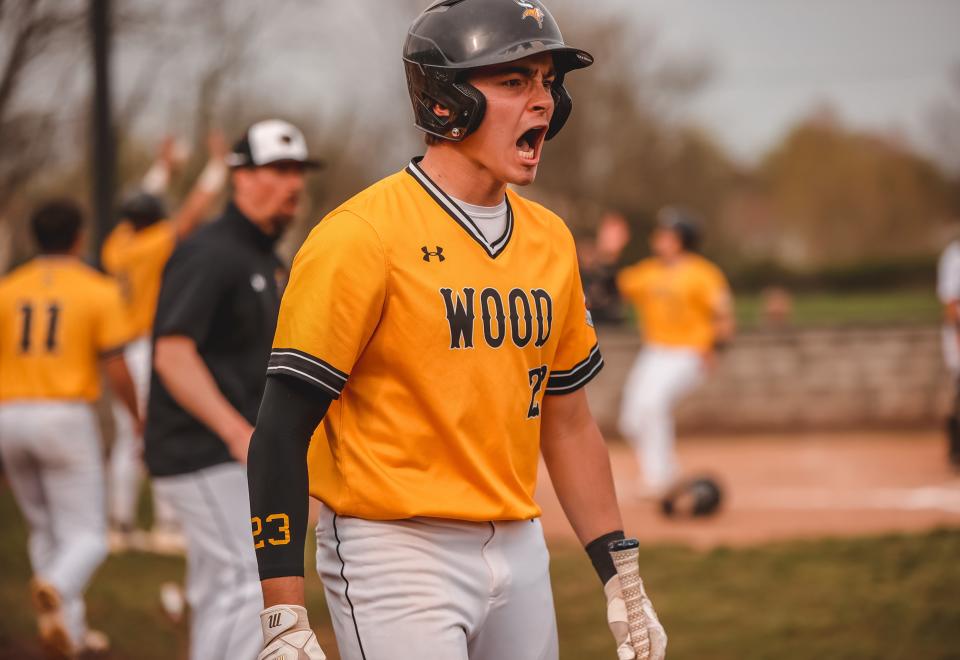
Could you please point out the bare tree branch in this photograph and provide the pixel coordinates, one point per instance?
(33, 31)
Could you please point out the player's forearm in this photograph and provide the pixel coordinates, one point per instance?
(579, 466)
(190, 383)
(121, 384)
(724, 322)
(279, 484)
(282, 591)
(157, 178)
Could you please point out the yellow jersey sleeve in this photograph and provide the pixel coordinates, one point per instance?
(113, 323)
(332, 303)
(578, 358)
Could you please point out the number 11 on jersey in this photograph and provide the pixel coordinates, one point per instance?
(53, 316)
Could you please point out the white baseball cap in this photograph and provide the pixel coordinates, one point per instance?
(271, 141)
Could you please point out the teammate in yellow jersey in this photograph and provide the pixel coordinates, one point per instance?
(685, 313)
(59, 321)
(436, 324)
(136, 252)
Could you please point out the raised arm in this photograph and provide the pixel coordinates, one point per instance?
(168, 161)
(207, 188)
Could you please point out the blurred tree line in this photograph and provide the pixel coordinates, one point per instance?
(828, 206)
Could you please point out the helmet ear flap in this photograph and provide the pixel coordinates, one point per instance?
(429, 87)
(469, 120)
(562, 106)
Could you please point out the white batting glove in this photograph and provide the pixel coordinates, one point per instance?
(287, 635)
(619, 626)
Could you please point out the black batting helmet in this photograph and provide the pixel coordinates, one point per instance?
(452, 37)
(142, 209)
(684, 223)
(696, 496)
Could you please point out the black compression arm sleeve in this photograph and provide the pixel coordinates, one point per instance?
(277, 473)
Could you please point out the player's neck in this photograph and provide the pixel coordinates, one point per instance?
(73, 252)
(462, 177)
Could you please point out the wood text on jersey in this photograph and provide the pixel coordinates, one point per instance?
(522, 315)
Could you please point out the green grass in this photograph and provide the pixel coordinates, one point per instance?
(893, 597)
(831, 309)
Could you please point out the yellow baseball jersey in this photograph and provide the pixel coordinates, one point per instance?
(438, 347)
(676, 304)
(137, 259)
(57, 317)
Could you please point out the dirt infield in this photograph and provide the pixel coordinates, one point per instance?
(796, 486)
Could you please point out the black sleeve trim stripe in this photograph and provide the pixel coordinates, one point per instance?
(578, 366)
(570, 380)
(326, 366)
(308, 368)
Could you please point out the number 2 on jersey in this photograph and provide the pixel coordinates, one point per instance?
(537, 376)
(53, 317)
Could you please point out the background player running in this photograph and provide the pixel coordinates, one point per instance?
(685, 312)
(136, 252)
(436, 323)
(59, 321)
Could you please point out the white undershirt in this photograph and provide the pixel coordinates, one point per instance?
(491, 220)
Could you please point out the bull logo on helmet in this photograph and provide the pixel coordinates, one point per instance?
(530, 10)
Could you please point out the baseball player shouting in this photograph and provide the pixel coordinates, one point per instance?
(59, 319)
(685, 311)
(435, 324)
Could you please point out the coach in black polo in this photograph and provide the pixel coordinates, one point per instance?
(214, 327)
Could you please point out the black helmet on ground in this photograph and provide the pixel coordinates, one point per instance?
(452, 37)
(692, 497)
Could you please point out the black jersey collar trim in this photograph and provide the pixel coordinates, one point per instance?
(245, 227)
(461, 217)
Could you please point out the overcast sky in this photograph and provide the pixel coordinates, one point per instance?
(881, 63)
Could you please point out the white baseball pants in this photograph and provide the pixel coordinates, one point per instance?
(951, 349)
(52, 456)
(126, 468)
(223, 585)
(659, 378)
(433, 589)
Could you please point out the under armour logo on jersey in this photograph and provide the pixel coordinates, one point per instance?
(427, 253)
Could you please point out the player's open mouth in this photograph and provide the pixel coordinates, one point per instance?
(528, 145)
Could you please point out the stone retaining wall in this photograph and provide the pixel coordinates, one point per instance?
(801, 379)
